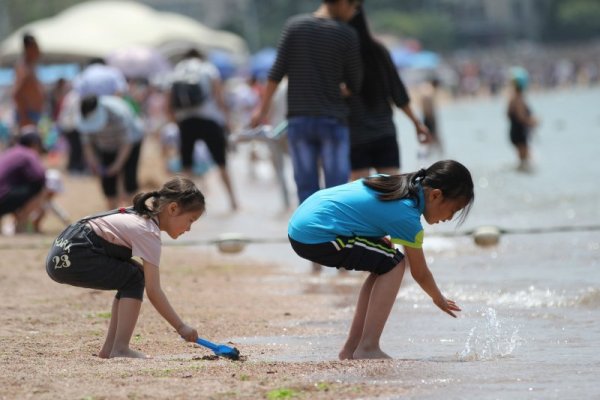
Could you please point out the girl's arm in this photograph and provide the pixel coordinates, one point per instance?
(423, 276)
(159, 300)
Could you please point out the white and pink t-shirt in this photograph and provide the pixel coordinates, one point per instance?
(140, 234)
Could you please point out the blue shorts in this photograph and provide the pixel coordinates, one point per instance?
(352, 253)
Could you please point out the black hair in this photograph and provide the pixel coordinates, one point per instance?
(28, 39)
(96, 60)
(88, 105)
(31, 139)
(451, 177)
(177, 189)
(380, 75)
(194, 53)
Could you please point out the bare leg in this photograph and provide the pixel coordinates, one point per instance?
(358, 322)
(128, 312)
(227, 182)
(316, 268)
(523, 152)
(22, 214)
(112, 328)
(383, 295)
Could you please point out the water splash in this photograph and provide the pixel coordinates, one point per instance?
(490, 339)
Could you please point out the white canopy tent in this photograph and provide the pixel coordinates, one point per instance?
(97, 28)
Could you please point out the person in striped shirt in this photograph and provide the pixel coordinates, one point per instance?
(320, 55)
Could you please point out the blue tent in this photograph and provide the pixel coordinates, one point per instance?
(224, 63)
(405, 58)
(47, 74)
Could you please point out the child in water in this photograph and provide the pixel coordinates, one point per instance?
(348, 226)
(96, 252)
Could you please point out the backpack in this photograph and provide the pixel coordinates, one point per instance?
(186, 95)
(188, 89)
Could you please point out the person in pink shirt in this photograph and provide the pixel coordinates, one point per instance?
(96, 252)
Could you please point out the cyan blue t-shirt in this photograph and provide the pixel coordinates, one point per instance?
(353, 209)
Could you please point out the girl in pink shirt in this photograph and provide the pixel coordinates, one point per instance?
(96, 252)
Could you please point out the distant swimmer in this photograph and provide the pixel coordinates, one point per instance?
(521, 118)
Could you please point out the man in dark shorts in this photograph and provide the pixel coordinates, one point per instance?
(22, 179)
(205, 119)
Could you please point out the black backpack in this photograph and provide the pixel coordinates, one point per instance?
(187, 95)
(187, 89)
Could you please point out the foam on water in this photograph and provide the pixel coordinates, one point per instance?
(530, 297)
(490, 339)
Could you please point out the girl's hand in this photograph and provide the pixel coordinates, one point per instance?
(447, 306)
(188, 333)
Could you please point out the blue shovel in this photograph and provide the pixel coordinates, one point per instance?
(220, 349)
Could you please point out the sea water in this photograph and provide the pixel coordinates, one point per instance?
(530, 321)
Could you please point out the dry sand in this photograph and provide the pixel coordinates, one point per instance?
(50, 333)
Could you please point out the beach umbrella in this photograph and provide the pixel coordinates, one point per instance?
(139, 62)
(96, 28)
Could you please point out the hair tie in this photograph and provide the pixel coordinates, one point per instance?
(422, 173)
(155, 193)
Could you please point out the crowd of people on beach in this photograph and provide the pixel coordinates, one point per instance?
(195, 140)
(335, 88)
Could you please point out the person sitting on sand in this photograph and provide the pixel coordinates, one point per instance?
(96, 252)
(348, 226)
(22, 178)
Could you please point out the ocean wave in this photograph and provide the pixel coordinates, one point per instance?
(529, 298)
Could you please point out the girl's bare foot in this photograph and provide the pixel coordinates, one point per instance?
(361, 354)
(103, 354)
(128, 353)
(345, 354)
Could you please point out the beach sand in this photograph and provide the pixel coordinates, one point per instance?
(50, 333)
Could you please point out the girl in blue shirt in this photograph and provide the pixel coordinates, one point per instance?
(355, 226)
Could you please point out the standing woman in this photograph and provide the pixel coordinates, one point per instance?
(373, 138)
(520, 117)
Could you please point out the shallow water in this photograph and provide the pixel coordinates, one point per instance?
(530, 325)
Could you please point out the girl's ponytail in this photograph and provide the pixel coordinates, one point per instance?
(178, 190)
(395, 187)
(140, 206)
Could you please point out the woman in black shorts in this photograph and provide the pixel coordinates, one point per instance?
(373, 139)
